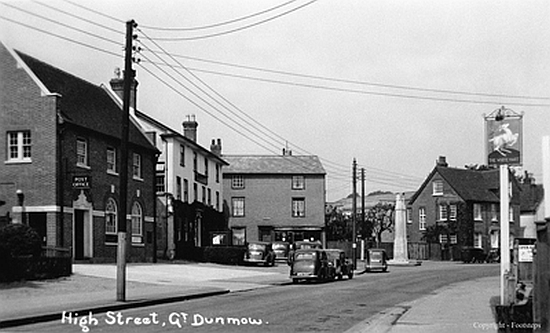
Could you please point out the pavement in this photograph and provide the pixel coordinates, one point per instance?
(461, 307)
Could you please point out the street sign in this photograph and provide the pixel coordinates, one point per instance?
(81, 182)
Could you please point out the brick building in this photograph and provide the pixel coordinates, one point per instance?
(459, 208)
(61, 152)
(274, 198)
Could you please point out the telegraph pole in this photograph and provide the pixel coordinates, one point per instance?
(362, 253)
(354, 215)
(122, 227)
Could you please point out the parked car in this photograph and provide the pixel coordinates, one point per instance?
(281, 250)
(339, 263)
(259, 253)
(310, 264)
(376, 260)
(303, 245)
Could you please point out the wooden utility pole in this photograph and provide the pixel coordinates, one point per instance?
(122, 227)
(354, 214)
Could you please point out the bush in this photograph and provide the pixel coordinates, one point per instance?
(232, 255)
(19, 240)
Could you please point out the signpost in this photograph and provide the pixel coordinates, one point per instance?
(504, 148)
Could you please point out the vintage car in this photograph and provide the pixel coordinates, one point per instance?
(303, 245)
(376, 260)
(310, 264)
(259, 253)
(339, 263)
(281, 250)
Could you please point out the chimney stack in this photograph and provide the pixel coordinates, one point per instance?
(190, 128)
(216, 147)
(117, 85)
(442, 162)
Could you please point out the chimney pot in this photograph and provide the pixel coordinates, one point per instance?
(190, 128)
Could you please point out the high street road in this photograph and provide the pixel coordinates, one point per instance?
(311, 307)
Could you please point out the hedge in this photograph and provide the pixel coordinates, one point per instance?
(231, 255)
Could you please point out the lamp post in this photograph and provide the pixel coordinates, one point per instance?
(21, 200)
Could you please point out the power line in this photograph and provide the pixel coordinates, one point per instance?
(358, 82)
(221, 23)
(233, 30)
(61, 37)
(373, 93)
(78, 17)
(95, 11)
(61, 24)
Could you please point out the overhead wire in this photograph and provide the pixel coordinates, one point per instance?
(214, 25)
(172, 39)
(357, 82)
(102, 50)
(78, 17)
(60, 23)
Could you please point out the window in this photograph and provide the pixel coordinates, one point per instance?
(137, 220)
(160, 185)
(298, 207)
(443, 213)
(205, 166)
(178, 187)
(182, 155)
(421, 218)
(452, 239)
(185, 190)
(453, 212)
(217, 200)
(137, 166)
(111, 160)
(209, 197)
(217, 173)
(110, 217)
(81, 152)
(511, 213)
(477, 212)
(298, 183)
(494, 212)
(237, 205)
(19, 146)
(437, 187)
(237, 182)
(195, 192)
(239, 235)
(409, 216)
(195, 161)
(478, 240)
(204, 195)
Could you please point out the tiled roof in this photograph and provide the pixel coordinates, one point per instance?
(473, 185)
(273, 164)
(83, 103)
(470, 185)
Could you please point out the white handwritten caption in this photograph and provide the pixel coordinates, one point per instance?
(178, 319)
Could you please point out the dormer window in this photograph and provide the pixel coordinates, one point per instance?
(437, 187)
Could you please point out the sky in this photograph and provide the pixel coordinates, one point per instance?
(392, 84)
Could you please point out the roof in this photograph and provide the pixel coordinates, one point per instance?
(169, 132)
(83, 103)
(470, 185)
(274, 164)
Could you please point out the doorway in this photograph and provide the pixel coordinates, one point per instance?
(82, 235)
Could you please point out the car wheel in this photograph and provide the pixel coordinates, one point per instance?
(350, 275)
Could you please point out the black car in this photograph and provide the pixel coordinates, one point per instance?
(259, 253)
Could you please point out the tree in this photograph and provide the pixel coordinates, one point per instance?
(338, 226)
(380, 217)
